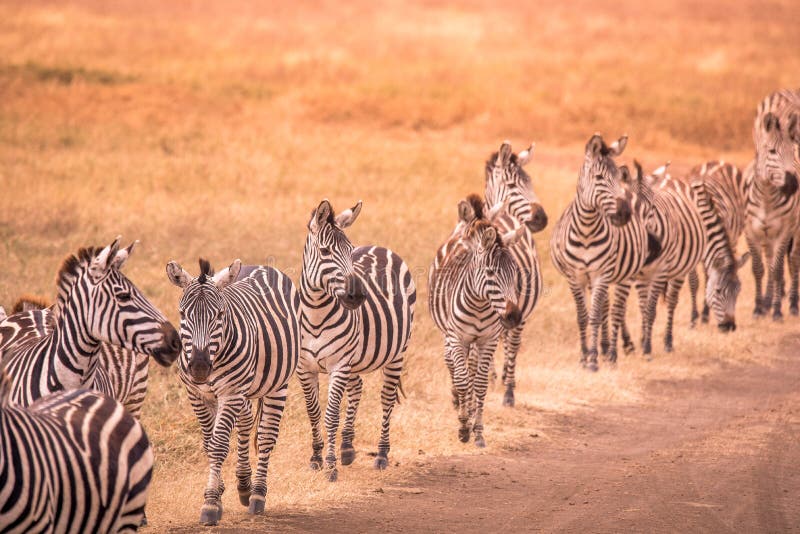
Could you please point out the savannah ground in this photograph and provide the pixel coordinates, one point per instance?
(213, 130)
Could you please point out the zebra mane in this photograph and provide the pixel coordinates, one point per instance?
(477, 205)
(71, 268)
(30, 302)
(513, 160)
(206, 271)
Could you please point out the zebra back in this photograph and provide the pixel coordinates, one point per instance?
(80, 463)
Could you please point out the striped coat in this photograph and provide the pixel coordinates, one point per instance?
(73, 461)
(241, 341)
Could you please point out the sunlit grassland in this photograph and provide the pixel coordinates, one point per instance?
(213, 130)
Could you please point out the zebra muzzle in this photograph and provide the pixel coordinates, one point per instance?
(728, 325)
(170, 348)
(199, 366)
(353, 294)
(622, 214)
(538, 220)
(512, 317)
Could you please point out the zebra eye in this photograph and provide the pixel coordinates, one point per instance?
(598, 176)
(123, 296)
(325, 251)
(489, 272)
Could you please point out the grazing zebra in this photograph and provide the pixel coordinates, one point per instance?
(52, 350)
(241, 341)
(474, 297)
(120, 373)
(597, 242)
(508, 183)
(727, 188)
(73, 461)
(772, 199)
(683, 220)
(357, 306)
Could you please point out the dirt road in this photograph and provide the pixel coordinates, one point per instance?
(716, 454)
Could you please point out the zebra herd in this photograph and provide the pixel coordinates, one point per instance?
(73, 375)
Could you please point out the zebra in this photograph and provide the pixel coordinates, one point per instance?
(508, 183)
(689, 231)
(241, 341)
(357, 308)
(48, 351)
(120, 373)
(597, 241)
(772, 200)
(725, 184)
(73, 461)
(474, 297)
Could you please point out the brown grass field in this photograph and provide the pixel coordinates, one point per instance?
(212, 129)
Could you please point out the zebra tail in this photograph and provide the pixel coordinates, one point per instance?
(257, 423)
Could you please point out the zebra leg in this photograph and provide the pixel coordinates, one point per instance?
(354, 388)
(456, 354)
(206, 413)
(599, 297)
(604, 329)
(269, 421)
(336, 388)
(511, 341)
(794, 275)
(621, 293)
(472, 366)
(229, 409)
(579, 294)
(758, 277)
(244, 427)
(391, 381)
(309, 381)
(481, 384)
(656, 287)
(776, 273)
(694, 284)
(673, 291)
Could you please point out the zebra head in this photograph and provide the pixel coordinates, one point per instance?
(777, 160)
(115, 310)
(327, 256)
(600, 185)
(202, 309)
(495, 275)
(722, 289)
(507, 181)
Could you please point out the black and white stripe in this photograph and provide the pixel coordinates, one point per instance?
(357, 309)
(73, 461)
(474, 299)
(599, 239)
(52, 350)
(772, 198)
(508, 184)
(241, 340)
(727, 190)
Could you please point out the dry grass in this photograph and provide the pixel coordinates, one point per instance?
(209, 130)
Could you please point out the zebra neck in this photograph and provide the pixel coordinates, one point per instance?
(589, 218)
(70, 353)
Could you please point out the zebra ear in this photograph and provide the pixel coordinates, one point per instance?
(742, 260)
(526, 156)
(625, 175)
(595, 146)
(488, 237)
(504, 154)
(177, 275)
(123, 255)
(348, 217)
(101, 262)
(618, 146)
(228, 275)
(465, 212)
(510, 238)
(661, 171)
(320, 215)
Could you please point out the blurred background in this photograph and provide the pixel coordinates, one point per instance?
(213, 128)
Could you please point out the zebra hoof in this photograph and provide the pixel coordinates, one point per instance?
(348, 455)
(777, 317)
(508, 398)
(480, 442)
(758, 313)
(244, 497)
(316, 462)
(381, 462)
(793, 310)
(704, 319)
(463, 435)
(592, 366)
(210, 514)
(256, 505)
(332, 474)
